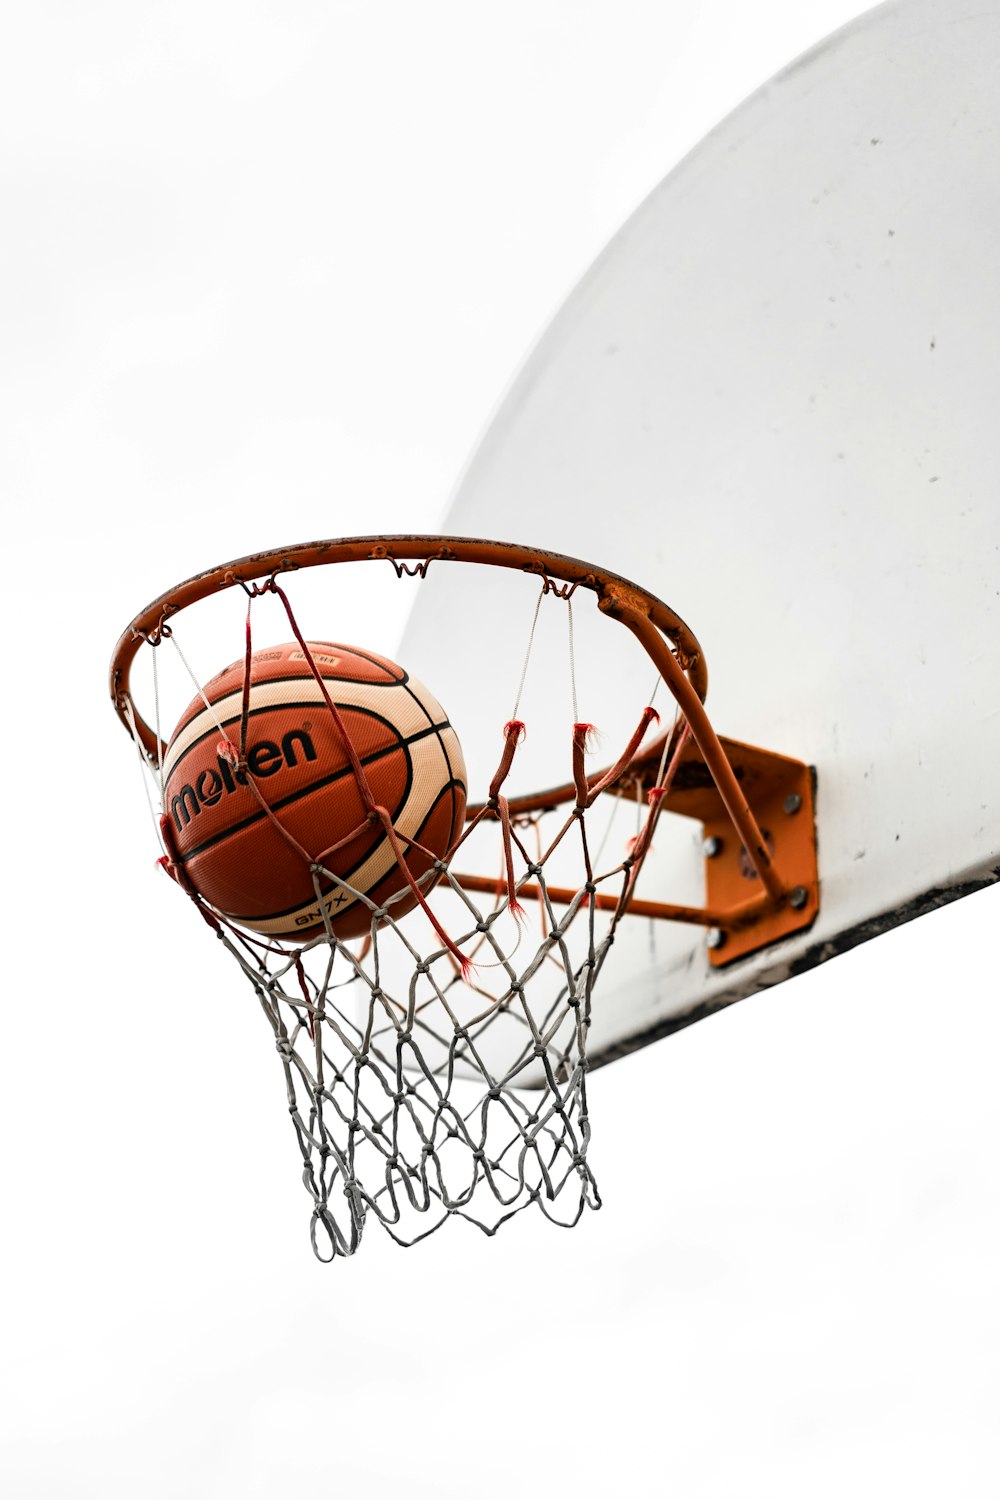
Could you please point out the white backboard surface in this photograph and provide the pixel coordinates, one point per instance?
(773, 401)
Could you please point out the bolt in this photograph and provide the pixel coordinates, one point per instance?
(711, 847)
(798, 897)
(715, 938)
(792, 803)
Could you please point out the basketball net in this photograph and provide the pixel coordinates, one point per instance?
(437, 1068)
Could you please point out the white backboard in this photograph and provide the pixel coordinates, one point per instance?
(773, 401)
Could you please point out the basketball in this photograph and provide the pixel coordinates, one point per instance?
(244, 835)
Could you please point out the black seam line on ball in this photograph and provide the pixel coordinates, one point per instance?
(387, 681)
(366, 853)
(327, 887)
(444, 751)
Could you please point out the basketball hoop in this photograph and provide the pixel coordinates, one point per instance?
(435, 1059)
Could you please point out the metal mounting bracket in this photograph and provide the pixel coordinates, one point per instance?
(742, 918)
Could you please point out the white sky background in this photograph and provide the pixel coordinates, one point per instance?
(266, 272)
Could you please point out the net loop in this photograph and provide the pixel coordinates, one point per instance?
(255, 589)
(563, 590)
(406, 570)
(161, 631)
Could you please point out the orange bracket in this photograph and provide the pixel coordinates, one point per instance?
(741, 915)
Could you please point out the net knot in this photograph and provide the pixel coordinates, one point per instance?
(585, 737)
(229, 752)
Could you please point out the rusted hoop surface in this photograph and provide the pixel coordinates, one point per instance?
(617, 597)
